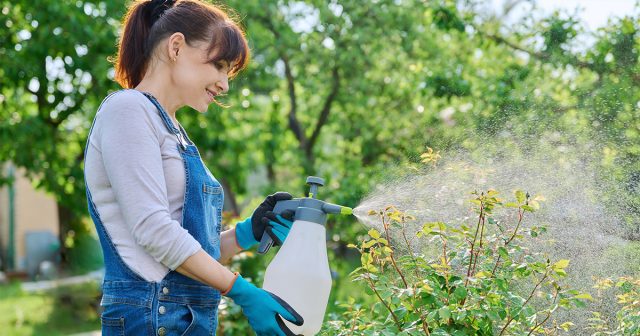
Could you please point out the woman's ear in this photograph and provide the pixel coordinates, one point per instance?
(175, 43)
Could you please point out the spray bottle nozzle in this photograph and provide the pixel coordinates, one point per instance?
(346, 211)
(336, 209)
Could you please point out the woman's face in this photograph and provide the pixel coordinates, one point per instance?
(197, 80)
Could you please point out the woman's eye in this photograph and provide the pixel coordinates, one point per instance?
(221, 66)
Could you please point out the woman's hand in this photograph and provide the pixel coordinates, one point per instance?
(278, 226)
(249, 232)
(262, 309)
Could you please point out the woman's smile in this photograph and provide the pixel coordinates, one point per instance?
(212, 95)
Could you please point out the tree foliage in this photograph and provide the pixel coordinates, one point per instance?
(54, 74)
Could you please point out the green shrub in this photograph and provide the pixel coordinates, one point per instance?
(84, 253)
(82, 300)
(627, 292)
(474, 279)
(65, 310)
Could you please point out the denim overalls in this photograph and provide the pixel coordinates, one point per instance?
(177, 305)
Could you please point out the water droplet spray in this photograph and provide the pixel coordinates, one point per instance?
(581, 225)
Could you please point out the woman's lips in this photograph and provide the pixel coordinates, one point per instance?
(212, 95)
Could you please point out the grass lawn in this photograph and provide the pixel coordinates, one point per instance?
(63, 311)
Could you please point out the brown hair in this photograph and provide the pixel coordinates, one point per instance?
(148, 22)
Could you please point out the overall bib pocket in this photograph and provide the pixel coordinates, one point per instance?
(212, 202)
(112, 326)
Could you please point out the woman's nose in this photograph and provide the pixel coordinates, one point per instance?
(223, 85)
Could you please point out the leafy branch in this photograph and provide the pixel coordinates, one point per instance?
(460, 292)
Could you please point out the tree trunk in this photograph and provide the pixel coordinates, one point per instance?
(65, 217)
(3, 256)
(68, 222)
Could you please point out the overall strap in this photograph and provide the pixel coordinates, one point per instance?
(167, 121)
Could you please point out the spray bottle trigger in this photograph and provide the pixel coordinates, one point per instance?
(265, 243)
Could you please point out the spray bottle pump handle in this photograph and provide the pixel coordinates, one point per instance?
(314, 182)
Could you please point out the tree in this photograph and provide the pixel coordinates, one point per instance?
(54, 74)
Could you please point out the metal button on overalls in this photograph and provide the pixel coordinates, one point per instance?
(162, 331)
(162, 310)
(165, 290)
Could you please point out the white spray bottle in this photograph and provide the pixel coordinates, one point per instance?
(299, 273)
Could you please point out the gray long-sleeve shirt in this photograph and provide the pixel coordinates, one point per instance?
(136, 178)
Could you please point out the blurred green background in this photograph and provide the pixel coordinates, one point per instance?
(346, 90)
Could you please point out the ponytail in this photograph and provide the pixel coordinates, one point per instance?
(132, 58)
(148, 22)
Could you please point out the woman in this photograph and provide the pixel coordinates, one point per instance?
(156, 207)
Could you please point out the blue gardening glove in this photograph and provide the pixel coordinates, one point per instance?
(262, 309)
(278, 226)
(249, 231)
